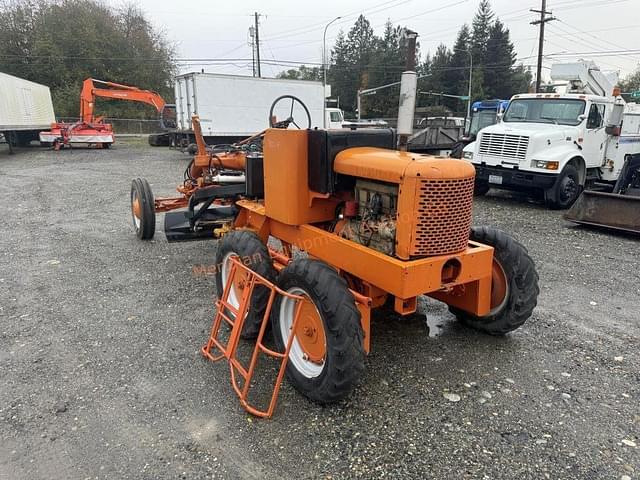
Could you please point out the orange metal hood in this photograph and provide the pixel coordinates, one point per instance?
(393, 165)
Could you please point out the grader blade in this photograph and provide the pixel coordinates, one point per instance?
(608, 210)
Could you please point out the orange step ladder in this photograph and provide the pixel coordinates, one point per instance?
(235, 317)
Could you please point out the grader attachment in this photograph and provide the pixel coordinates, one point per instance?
(608, 210)
(619, 210)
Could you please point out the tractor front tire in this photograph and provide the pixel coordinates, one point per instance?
(326, 358)
(514, 286)
(143, 209)
(247, 247)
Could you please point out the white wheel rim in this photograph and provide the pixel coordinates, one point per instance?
(232, 299)
(297, 356)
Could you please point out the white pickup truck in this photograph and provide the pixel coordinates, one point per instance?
(556, 143)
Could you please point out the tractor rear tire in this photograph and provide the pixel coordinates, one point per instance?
(143, 215)
(253, 253)
(323, 373)
(519, 283)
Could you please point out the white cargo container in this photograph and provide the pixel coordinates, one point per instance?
(232, 107)
(25, 109)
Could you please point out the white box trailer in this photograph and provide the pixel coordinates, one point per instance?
(233, 107)
(25, 109)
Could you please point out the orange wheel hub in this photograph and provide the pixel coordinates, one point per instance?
(310, 332)
(499, 285)
(136, 208)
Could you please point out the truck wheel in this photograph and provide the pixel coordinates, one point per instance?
(253, 253)
(565, 191)
(481, 188)
(327, 355)
(514, 288)
(142, 209)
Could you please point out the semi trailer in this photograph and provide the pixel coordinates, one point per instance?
(25, 109)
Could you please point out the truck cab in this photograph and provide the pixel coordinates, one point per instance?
(334, 118)
(552, 142)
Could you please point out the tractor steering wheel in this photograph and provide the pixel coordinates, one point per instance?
(290, 120)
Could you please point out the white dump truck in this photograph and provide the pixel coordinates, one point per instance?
(25, 109)
(558, 142)
(234, 107)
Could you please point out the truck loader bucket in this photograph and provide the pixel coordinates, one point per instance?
(609, 210)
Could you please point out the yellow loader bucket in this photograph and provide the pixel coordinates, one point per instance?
(609, 210)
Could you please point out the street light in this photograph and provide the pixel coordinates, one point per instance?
(324, 72)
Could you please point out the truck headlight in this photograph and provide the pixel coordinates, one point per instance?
(546, 165)
(467, 155)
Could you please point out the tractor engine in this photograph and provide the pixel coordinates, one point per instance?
(371, 218)
(406, 205)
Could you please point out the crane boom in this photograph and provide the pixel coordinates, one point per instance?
(114, 91)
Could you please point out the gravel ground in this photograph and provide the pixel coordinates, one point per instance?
(101, 375)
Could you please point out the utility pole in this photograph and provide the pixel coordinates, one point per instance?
(543, 20)
(252, 43)
(257, 16)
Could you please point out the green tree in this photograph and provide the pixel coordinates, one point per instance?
(500, 60)
(60, 43)
(631, 83)
(302, 73)
(457, 76)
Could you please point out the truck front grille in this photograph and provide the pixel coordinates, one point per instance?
(443, 216)
(506, 146)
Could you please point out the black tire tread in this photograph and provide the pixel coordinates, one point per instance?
(344, 362)
(148, 220)
(247, 243)
(523, 282)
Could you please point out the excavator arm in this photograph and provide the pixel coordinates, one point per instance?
(114, 91)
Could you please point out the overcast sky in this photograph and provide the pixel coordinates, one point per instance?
(292, 30)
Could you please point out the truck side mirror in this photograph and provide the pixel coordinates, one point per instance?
(499, 116)
(582, 117)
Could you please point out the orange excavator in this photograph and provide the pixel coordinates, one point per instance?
(90, 129)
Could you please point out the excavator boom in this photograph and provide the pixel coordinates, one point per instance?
(114, 91)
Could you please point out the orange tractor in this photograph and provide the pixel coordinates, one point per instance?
(376, 225)
(90, 129)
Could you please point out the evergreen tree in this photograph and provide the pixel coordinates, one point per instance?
(387, 62)
(480, 31)
(458, 74)
(499, 62)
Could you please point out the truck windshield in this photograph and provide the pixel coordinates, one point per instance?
(545, 110)
(481, 119)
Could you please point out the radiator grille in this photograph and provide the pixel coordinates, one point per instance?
(506, 146)
(443, 217)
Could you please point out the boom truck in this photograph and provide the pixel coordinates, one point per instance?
(318, 227)
(92, 130)
(557, 143)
